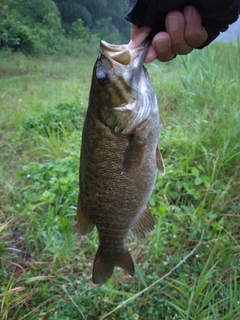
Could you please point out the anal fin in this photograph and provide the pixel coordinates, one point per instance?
(144, 224)
(84, 224)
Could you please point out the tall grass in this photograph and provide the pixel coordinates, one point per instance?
(33, 84)
(46, 264)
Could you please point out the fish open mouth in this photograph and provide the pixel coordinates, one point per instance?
(122, 54)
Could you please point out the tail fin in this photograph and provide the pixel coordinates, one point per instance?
(103, 266)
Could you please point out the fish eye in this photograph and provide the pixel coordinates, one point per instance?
(102, 79)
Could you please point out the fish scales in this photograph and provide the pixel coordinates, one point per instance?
(118, 162)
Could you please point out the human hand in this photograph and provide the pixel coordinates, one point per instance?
(184, 32)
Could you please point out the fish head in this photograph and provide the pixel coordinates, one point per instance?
(121, 88)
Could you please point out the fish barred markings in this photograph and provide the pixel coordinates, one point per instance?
(118, 170)
(119, 87)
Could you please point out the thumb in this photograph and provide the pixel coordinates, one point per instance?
(138, 35)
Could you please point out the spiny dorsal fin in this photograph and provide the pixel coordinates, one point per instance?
(144, 224)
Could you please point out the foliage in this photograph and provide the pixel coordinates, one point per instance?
(42, 26)
(28, 25)
(71, 11)
(104, 29)
(78, 30)
(97, 15)
(53, 183)
(45, 264)
(16, 35)
(62, 117)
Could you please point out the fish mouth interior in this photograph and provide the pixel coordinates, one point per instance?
(122, 54)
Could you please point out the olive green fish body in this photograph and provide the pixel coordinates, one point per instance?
(118, 167)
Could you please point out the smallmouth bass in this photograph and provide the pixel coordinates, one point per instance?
(119, 156)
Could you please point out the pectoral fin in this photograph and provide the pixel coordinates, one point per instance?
(136, 148)
(84, 224)
(160, 163)
(134, 154)
(144, 224)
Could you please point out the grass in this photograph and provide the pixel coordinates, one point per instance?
(45, 264)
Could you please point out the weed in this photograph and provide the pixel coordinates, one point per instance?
(46, 264)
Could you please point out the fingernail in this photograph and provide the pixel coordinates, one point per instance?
(173, 23)
(163, 46)
(188, 12)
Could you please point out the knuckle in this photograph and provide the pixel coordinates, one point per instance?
(196, 38)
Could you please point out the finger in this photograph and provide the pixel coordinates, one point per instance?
(138, 35)
(151, 55)
(175, 26)
(162, 45)
(195, 34)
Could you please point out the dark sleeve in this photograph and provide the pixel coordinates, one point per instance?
(216, 14)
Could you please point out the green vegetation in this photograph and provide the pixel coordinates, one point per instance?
(45, 26)
(45, 264)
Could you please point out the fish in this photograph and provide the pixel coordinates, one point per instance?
(120, 156)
